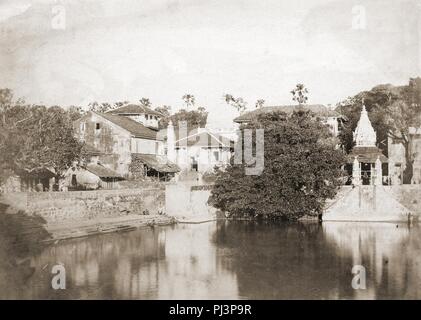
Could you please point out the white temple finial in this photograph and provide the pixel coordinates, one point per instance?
(364, 134)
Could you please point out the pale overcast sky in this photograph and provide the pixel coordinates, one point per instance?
(124, 50)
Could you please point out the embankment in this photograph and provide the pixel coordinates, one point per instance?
(80, 213)
(398, 203)
(189, 203)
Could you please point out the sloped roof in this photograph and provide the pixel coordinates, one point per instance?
(39, 172)
(366, 155)
(135, 109)
(156, 162)
(137, 129)
(102, 171)
(318, 109)
(205, 139)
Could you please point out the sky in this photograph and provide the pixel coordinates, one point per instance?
(75, 52)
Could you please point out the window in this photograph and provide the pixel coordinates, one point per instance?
(147, 117)
(97, 126)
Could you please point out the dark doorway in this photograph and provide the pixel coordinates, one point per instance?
(365, 173)
(74, 180)
(194, 165)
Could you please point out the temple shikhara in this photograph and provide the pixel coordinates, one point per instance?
(367, 160)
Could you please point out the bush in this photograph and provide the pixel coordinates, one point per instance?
(301, 170)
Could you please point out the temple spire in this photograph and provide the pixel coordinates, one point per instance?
(364, 134)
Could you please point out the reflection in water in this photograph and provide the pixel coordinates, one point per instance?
(225, 259)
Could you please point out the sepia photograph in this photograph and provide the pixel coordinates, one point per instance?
(207, 150)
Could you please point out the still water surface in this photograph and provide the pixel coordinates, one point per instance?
(229, 260)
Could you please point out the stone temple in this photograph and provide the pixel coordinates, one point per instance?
(367, 160)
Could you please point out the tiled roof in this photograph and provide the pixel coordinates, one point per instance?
(205, 139)
(366, 155)
(156, 162)
(135, 109)
(318, 109)
(137, 129)
(102, 171)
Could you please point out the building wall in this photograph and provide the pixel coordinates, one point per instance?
(333, 125)
(147, 120)
(110, 139)
(183, 200)
(205, 157)
(147, 146)
(396, 155)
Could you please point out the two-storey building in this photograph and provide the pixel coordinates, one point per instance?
(126, 140)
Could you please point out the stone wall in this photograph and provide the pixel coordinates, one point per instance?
(186, 200)
(88, 205)
(409, 196)
(375, 203)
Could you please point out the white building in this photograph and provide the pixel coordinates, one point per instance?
(198, 150)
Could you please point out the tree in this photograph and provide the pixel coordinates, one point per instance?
(76, 112)
(166, 112)
(145, 102)
(100, 107)
(189, 100)
(300, 94)
(393, 110)
(260, 103)
(194, 118)
(401, 115)
(237, 103)
(302, 169)
(105, 106)
(36, 136)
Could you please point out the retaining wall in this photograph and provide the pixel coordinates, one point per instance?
(86, 205)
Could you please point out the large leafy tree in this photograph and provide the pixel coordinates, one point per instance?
(302, 168)
(166, 114)
(400, 117)
(194, 118)
(36, 136)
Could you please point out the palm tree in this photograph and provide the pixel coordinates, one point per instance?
(189, 100)
(299, 94)
(260, 103)
(145, 102)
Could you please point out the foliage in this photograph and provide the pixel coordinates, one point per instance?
(35, 136)
(237, 103)
(189, 100)
(145, 102)
(299, 94)
(166, 112)
(260, 103)
(105, 106)
(392, 111)
(194, 118)
(302, 168)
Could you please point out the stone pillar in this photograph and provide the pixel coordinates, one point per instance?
(356, 173)
(171, 153)
(379, 173)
